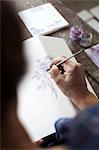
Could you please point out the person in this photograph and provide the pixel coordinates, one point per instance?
(12, 68)
(72, 83)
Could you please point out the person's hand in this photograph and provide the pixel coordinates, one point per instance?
(40, 142)
(72, 81)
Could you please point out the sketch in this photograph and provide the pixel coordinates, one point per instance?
(36, 30)
(40, 74)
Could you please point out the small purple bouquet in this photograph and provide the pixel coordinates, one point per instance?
(76, 33)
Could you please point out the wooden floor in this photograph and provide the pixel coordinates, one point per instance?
(78, 5)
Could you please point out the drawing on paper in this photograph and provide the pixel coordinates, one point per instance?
(40, 74)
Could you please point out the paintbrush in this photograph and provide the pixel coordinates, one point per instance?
(63, 61)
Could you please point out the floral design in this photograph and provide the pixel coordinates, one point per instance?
(40, 74)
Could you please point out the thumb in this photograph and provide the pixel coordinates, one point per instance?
(54, 71)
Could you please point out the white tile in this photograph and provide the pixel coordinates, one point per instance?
(84, 14)
(43, 19)
(95, 11)
(94, 24)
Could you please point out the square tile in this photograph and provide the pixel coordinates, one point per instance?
(85, 15)
(94, 24)
(95, 11)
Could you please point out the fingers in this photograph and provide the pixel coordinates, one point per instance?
(40, 142)
(71, 80)
(54, 71)
(56, 60)
(59, 59)
(55, 74)
(68, 66)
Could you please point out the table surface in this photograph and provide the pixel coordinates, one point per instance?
(92, 72)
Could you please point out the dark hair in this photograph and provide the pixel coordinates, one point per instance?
(12, 61)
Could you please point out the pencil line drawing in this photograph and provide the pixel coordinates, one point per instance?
(40, 74)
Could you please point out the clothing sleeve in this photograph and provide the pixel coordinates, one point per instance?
(81, 132)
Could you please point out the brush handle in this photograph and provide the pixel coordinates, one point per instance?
(63, 61)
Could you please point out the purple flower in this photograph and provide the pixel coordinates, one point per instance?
(76, 32)
(40, 74)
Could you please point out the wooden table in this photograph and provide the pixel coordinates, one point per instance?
(92, 72)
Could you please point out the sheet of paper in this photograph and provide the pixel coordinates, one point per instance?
(40, 102)
(43, 19)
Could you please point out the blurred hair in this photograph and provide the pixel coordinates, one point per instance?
(12, 61)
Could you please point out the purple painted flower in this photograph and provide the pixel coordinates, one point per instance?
(76, 32)
(40, 74)
(93, 53)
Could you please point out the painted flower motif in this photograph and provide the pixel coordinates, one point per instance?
(40, 74)
(93, 53)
